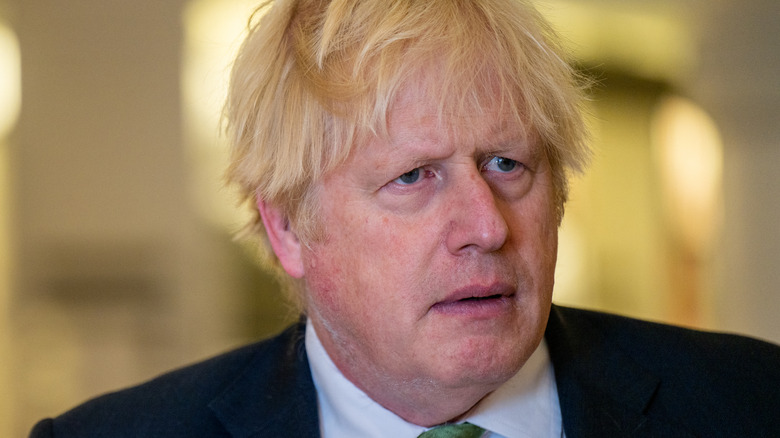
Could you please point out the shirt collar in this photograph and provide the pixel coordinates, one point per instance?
(525, 406)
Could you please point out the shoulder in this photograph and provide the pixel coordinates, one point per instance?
(177, 403)
(715, 383)
(655, 342)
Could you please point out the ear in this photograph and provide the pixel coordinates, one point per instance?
(283, 239)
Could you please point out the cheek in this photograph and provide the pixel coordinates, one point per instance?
(322, 285)
(329, 264)
(534, 237)
(340, 271)
(368, 259)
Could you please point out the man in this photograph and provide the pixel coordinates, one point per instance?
(407, 162)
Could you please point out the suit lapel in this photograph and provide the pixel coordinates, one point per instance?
(275, 395)
(602, 391)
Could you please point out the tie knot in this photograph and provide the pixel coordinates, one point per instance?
(462, 430)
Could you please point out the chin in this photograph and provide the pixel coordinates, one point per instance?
(488, 366)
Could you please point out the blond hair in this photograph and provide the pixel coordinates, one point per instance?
(314, 77)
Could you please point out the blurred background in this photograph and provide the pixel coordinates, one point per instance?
(116, 253)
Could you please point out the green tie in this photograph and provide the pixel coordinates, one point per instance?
(462, 430)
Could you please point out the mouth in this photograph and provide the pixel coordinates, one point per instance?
(477, 301)
(491, 297)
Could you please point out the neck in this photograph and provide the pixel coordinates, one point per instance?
(417, 400)
(437, 407)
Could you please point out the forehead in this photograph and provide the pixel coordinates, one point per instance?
(417, 114)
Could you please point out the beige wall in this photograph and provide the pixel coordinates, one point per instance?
(738, 80)
(115, 278)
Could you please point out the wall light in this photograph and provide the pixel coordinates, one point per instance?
(689, 152)
(214, 30)
(10, 80)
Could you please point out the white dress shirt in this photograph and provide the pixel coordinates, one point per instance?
(526, 406)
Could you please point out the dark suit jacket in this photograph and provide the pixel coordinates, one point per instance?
(616, 377)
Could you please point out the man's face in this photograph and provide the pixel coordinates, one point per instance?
(437, 263)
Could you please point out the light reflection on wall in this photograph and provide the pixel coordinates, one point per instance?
(642, 224)
(689, 154)
(214, 30)
(10, 80)
(689, 157)
(10, 100)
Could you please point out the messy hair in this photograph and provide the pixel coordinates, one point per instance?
(315, 78)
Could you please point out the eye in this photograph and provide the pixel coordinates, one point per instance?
(409, 177)
(501, 164)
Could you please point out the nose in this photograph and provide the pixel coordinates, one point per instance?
(476, 220)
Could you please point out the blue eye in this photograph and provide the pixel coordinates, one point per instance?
(410, 177)
(502, 164)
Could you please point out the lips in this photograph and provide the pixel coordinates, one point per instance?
(496, 290)
(477, 300)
